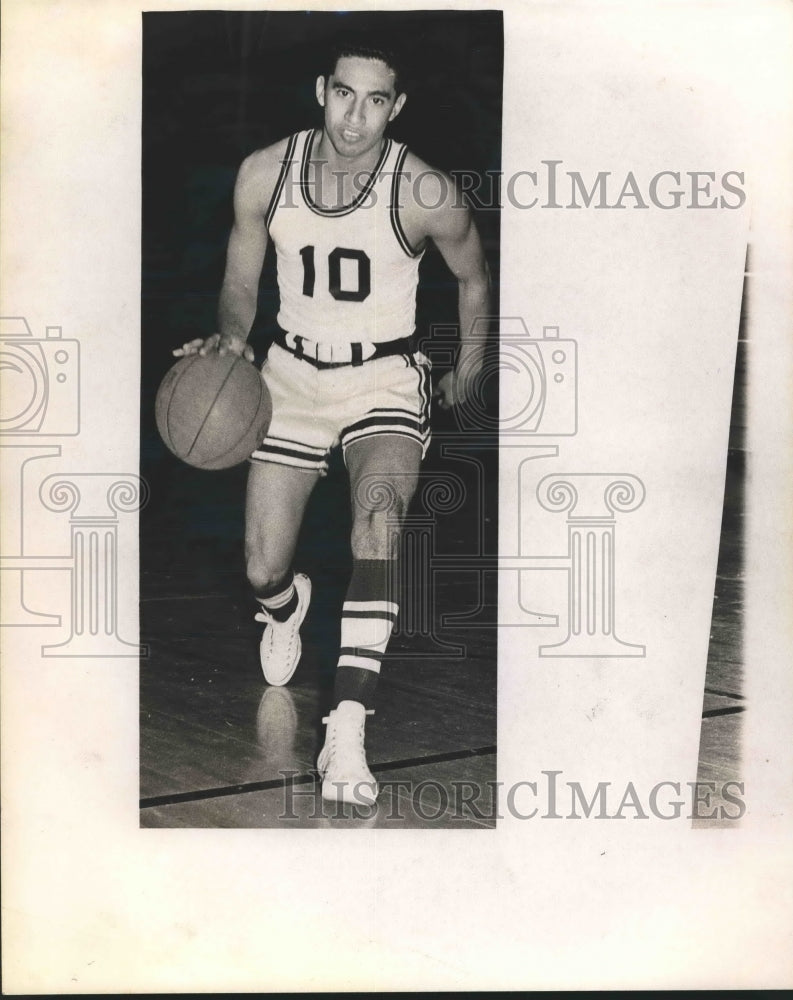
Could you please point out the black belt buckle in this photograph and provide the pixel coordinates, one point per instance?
(356, 354)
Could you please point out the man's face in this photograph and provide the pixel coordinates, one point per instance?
(359, 99)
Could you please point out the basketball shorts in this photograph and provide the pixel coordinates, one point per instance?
(317, 409)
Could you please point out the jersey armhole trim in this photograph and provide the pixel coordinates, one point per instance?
(279, 186)
(396, 224)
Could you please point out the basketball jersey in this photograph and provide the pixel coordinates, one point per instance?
(345, 274)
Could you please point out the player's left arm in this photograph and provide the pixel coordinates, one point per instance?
(451, 227)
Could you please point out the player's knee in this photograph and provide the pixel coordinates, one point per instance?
(375, 533)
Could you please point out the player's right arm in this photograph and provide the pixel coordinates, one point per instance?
(255, 184)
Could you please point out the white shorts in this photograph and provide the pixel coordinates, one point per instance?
(316, 409)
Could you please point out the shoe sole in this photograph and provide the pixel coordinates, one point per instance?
(355, 795)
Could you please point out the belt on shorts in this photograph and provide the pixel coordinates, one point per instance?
(306, 350)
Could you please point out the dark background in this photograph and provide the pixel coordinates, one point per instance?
(216, 86)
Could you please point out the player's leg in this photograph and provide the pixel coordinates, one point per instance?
(384, 472)
(276, 501)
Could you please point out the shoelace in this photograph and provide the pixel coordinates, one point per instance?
(360, 733)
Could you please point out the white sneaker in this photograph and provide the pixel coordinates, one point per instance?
(280, 647)
(342, 761)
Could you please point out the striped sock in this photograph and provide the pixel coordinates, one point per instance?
(367, 620)
(281, 605)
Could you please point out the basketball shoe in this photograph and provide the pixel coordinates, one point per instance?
(280, 648)
(342, 761)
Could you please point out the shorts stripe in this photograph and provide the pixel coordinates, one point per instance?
(291, 452)
(420, 439)
(385, 420)
(298, 456)
(380, 431)
(297, 446)
(413, 423)
(424, 388)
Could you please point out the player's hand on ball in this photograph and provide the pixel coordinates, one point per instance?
(222, 343)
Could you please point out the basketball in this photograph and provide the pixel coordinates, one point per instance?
(213, 411)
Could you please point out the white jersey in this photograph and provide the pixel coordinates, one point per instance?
(344, 274)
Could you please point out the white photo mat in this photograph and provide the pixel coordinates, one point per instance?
(652, 297)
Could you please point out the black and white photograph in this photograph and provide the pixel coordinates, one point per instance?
(347, 549)
(396, 473)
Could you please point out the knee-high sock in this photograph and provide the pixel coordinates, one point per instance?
(370, 610)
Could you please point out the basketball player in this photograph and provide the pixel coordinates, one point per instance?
(350, 213)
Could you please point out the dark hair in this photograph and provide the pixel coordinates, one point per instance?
(366, 46)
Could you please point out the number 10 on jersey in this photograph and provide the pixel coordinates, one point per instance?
(360, 266)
